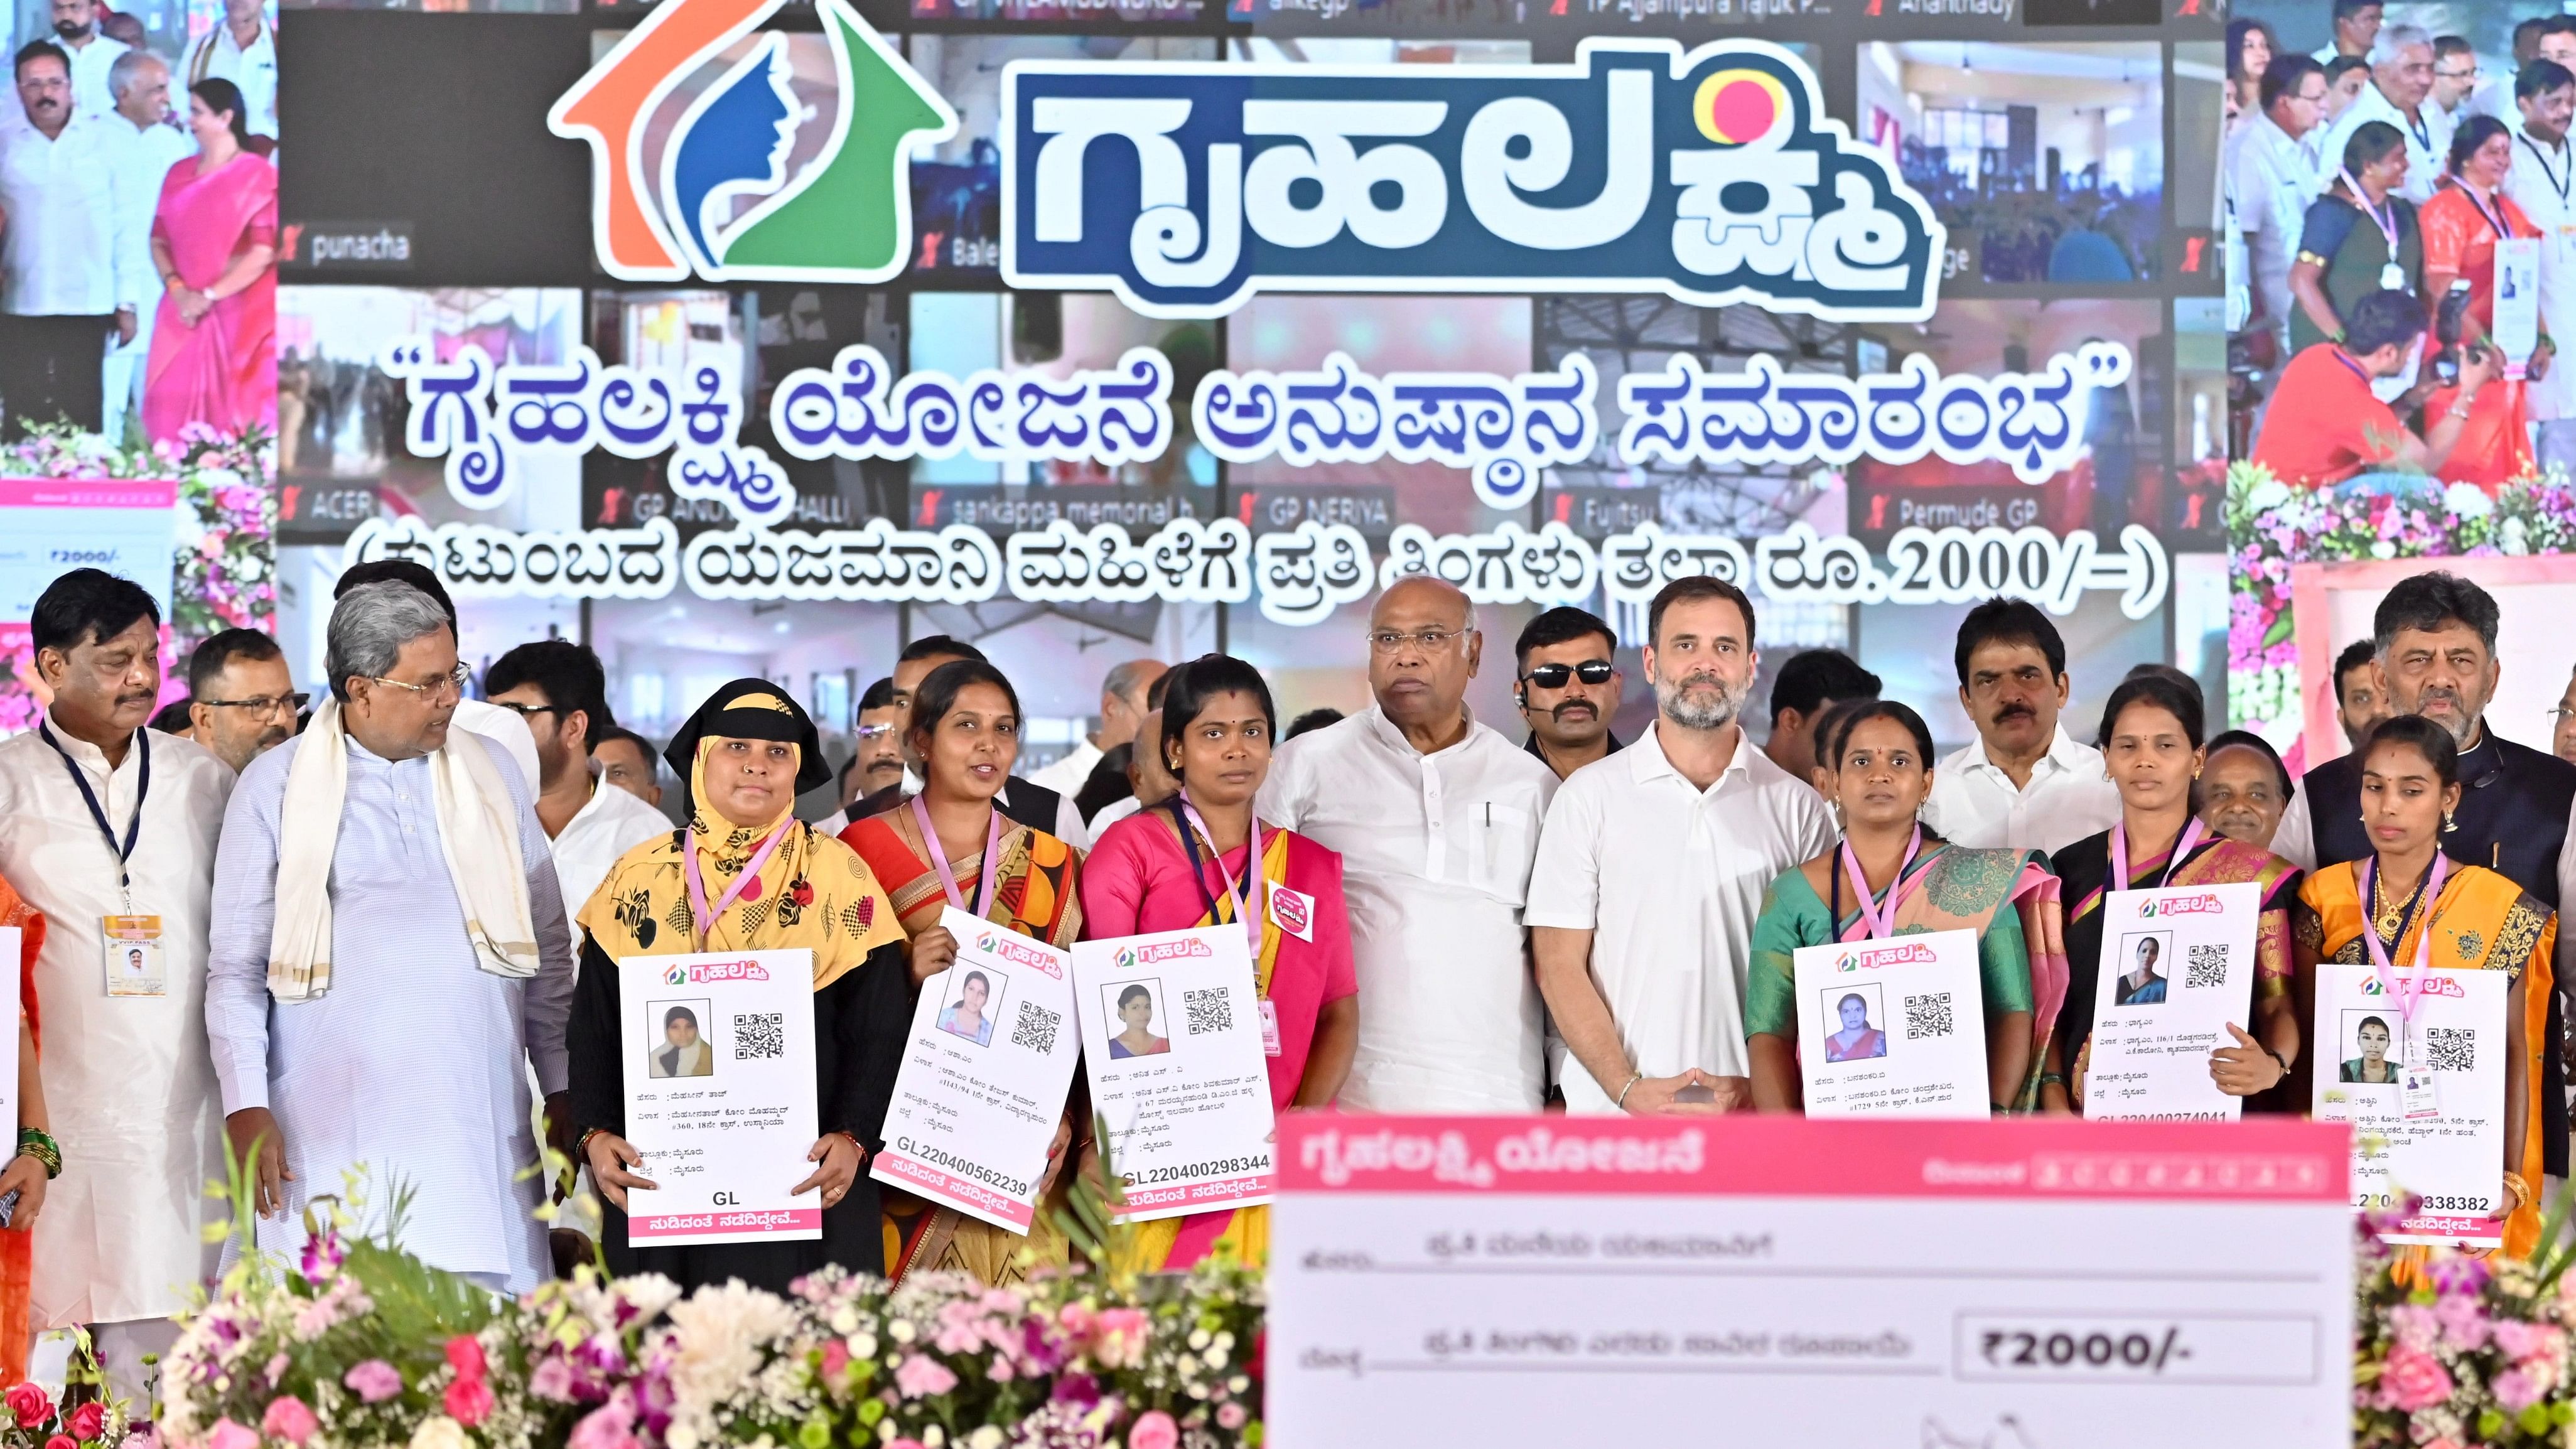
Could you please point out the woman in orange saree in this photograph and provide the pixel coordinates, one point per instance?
(25, 1173)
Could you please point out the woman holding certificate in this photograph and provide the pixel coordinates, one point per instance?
(1886, 878)
(745, 875)
(949, 846)
(2151, 744)
(2406, 911)
(1192, 861)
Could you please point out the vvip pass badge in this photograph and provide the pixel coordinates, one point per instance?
(1269, 1027)
(133, 956)
(1294, 913)
(2418, 1097)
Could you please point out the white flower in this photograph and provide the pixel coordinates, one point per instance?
(722, 1335)
(650, 1293)
(987, 1437)
(2383, 549)
(441, 1432)
(2514, 538)
(2268, 494)
(2467, 500)
(900, 1330)
(845, 1320)
(863, 1345)
(681, 1436)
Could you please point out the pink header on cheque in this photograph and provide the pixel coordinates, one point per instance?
(1763, 1156)
(87, 493)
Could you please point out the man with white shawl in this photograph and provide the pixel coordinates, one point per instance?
(390, 957)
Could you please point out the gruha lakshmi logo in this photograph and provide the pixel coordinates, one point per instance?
(757, 164)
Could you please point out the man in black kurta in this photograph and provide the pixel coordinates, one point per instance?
(2435, 634)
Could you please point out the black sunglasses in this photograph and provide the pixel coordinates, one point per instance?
(1553, 676)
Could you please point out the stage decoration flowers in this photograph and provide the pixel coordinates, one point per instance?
(2272, 526)
(2459, 1349)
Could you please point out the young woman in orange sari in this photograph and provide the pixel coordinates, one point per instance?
(950, 846)
(2476, 920)
(30, 1169)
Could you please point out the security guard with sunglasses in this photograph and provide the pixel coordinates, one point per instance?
(1568, 688)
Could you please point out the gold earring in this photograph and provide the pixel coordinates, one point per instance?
(2450, 822)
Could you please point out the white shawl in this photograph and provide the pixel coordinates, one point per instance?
(477, 832)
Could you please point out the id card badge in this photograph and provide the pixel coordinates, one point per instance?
(133, 956)
(1269, 1027)
(2418, 1097)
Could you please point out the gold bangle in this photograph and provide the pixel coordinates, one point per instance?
(2520, 1189)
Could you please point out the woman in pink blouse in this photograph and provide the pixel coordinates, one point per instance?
(1181, 864)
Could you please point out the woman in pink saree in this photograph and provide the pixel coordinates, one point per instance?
(214, 240)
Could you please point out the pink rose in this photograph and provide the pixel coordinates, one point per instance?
(465, 1355)
(469, 1401)
(2411, 1380)
(906, 1444)
(228, 1435)
(29, 1403)
(836, 1361)
(1230, 1416)
(1155, 1430)
(921, 1376)
(1122, 1336)
(88, 1420)
(288, 1419)
(61, 1441)
(552, 1380)
(373, 1381)
(610, 1426)
(2516, 1390)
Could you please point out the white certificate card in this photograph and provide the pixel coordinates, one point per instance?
(2452, 1158)
(1171, 1032)
(2177, 969)
(1893, 1028)
(984, 1076)
(720, 1096)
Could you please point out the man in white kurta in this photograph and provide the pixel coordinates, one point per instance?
(1651, 873)
(2401, 84)
(2543, 175)
(58, 190)
(144, 143)
(126, 1076)
(412, 1064)
(1437, 818)
(243, 50)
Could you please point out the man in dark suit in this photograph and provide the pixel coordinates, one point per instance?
(1034, 806)
(2435, 638)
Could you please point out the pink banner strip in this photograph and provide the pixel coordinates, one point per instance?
(957, 1190)
(1204, 1194)
(87, 493)
(2281, 1160)
(777, 1220)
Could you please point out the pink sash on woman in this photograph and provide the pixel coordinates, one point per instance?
(223, 371)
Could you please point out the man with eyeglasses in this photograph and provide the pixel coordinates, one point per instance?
(2272, 175)
(241, 699)
(559, 688)
(876, 756)
(474, 716)
(1437, 818)
(1568, 688)
(2455, 75)
(110, 830)
(390, 959)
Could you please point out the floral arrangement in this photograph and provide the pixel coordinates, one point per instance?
(2271, 525)
(361, 1344)
(2453, 1351)
(30, 1418)
(224, 568)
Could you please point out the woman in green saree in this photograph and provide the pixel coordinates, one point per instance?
(1880, 758)
(2358, 238)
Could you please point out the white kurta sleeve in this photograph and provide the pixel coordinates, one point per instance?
(237, 938)
(2295, 839)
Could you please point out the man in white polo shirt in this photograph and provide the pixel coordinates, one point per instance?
(1651, 872)
(1437, 818)
(561, 690)
(2024, 785)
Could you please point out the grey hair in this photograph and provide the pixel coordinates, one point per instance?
(1127, 681)
(1464, 600)
(121, 72)
(369, 627)
(2396, 39)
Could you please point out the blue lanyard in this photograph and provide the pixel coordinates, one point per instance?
(142, 787)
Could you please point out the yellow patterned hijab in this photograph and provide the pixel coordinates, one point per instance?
(812, 893)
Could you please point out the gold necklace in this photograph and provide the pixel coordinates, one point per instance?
(2385, 915)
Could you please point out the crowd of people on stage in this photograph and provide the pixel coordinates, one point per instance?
(2368, 182)
(356, 935)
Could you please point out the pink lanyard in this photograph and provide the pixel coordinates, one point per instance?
(2191, 834)
(1249, 900)
(2389, 980)
(1880, 928)
(939, 860)
(701, 917)
(2361, 203)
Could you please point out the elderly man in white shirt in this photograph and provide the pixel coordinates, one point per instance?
(58, 256)
(110, 829)
(560, 689)
(505, 729)
(1437, 820)
(2544, 166)
(145, 145)
(2272, 175)
(1651, 873)
(2401, 83)
(2024, 785)
(1124, 692)
(242, 50)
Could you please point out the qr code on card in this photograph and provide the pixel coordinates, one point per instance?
(1210, 1009)
(1036, 1028)
(2451, 1048)
(2207, 967)
(759, 1037)
(1928, 1016)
